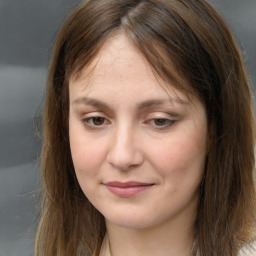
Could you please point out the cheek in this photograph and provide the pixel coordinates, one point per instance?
(181, 156)
(87, 159)
(87, 155)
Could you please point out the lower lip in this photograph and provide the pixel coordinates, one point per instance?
(128, 191)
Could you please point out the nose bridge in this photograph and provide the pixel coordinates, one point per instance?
(124, 151)
(123, 136)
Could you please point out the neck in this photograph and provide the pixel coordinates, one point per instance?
(169, 239)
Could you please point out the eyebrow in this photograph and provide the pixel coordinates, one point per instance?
(90, 101)
(142, 105)
(157, 102)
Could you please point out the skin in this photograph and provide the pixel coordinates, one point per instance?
(124, 126)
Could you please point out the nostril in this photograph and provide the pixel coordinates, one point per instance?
(124, 151)
(124, 159)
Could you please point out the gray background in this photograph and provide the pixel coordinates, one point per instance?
(27, 32)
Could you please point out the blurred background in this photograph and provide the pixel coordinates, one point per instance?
(27, 32)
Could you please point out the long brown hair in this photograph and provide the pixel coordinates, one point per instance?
(184, 36)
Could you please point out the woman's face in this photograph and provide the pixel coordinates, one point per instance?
(138, 150)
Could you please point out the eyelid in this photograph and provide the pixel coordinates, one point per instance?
(91, 116)
(161, 115)
(148, 121)
(170, 119)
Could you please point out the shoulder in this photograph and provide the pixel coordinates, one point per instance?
(247, 253)
(249, 250)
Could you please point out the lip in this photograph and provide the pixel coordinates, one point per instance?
(127, 189)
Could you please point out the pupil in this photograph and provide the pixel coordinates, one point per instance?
(98, 120)
(160, 121)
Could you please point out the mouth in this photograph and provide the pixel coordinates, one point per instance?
(127, 189)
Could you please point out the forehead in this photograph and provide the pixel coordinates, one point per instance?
(119, 65)
(117, 54)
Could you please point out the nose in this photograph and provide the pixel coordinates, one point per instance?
(124, 152)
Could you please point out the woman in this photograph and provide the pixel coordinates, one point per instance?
(148, 144)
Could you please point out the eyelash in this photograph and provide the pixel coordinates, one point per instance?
(165, 123)
(88, 122)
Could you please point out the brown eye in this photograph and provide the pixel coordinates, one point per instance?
(98, 120)
(95, 122)
(162, 121)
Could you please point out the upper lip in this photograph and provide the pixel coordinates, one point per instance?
(127, 184)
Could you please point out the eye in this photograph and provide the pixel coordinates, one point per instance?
(96, 121)
(162, 122)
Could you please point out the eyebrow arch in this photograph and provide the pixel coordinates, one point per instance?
(90, 101)
(157, 102)
(142, 105)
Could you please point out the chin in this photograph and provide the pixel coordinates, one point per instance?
(132, 221)
(128, 223)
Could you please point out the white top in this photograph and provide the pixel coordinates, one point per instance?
(248, 252)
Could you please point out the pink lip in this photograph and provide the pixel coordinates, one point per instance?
(127, 189)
